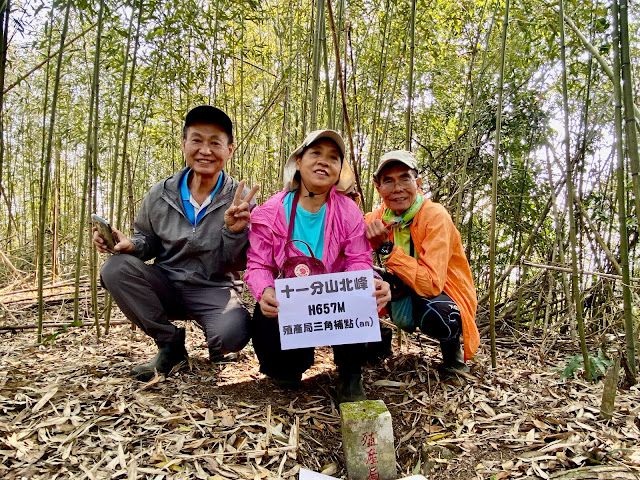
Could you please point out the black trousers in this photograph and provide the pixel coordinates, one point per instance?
(290, 364)
(438, 317)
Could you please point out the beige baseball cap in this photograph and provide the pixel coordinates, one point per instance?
(402, 156)
(346, 182)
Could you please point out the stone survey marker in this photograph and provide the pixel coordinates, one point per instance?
(367, 440)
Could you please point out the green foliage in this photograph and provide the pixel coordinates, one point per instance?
(598, 364)
(50, 339)
(253, 60)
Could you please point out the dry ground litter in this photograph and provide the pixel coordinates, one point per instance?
(69, 409)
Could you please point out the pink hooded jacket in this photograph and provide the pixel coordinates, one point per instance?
(346, 247)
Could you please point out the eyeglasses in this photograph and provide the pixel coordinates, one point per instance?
(404, 183)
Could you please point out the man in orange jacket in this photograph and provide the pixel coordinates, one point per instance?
(422, 252)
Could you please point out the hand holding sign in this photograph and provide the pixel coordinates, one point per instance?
(382, 293)
(328, 309)
(237, 215)
(268, 303)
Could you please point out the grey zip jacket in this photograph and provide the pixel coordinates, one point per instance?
(208, 254)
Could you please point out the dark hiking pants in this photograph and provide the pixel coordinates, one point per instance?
(290, 364)
(437, 317)
(149, 299)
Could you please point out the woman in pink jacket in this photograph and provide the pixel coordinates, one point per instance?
(333, 227)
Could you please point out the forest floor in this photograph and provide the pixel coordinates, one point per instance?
(69, 409)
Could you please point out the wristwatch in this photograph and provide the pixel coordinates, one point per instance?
(386, 248)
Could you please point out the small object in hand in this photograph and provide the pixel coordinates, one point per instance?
(386, 248)
(105, 231)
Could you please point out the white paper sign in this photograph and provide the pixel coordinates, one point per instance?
(311, 475)
(329, 309)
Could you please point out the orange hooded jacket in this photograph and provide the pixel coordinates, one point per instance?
(441, 265)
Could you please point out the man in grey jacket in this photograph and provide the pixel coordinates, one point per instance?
(194, 225)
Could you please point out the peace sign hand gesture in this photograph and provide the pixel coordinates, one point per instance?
(237, 215)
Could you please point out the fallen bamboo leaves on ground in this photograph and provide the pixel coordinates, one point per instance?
(70, 409)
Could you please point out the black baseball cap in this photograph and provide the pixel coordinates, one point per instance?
(208, 114)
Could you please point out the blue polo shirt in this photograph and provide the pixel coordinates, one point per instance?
(190, 205)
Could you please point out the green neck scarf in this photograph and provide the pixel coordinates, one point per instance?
(407, 216)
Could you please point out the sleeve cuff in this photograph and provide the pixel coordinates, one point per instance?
(259, 297)
(229, 233)
(138, 247)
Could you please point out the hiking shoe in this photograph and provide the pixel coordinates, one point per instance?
(287, 383)
(223, 357)
(350, 388)
(169, 355)
(376, 352)
(452, 358)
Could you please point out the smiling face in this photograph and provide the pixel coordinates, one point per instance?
(398, 187)
(320, 165)
(206, 149)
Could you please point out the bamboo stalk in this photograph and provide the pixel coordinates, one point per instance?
(56, 217)
(600, 59)
(327, 85)
(622, 208)
(125, 158)
(391, 99)
(336, 74)
(412, 48)
(559, 236)
(15, 271)
(12, 219)
(379, 102)
(631, 136)
(344, 102)
(4, 42)
(472, 120)
(571, 198)
(46, 171)
(14, 328)
(599, 239)
(93, 102)
(46, 60)
(356, 102)
(46, 296)
(494, 191)
(45, 287)
(559, 268)
(315, 63)
(114, 168)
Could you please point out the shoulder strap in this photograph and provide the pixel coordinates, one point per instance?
(292, 214)
(292, 241)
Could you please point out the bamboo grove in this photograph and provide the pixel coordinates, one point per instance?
(521, 114)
